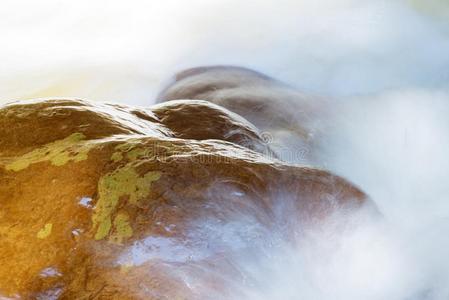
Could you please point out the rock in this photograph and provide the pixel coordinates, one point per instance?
(290, 121)
(103, 201)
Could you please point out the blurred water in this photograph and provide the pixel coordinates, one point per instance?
(110, 50)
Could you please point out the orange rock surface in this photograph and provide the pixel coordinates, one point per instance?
(103, 201)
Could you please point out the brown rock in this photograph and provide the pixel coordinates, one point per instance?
(103, 201)
(290, 121)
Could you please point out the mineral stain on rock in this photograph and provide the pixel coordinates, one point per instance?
(123, 182)
(132, 152)
(122, 227)
(58, 153)
(45, 231)
(117, 156)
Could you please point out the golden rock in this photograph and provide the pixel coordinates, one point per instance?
(104, 201)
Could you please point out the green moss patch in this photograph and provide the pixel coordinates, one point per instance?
(124, 182)
(71, 149)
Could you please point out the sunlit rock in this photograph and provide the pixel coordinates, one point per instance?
(102, 201)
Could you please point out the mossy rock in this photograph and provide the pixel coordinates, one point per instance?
(83, 185)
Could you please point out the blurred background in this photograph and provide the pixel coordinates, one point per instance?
(124, 51)
(385, 62)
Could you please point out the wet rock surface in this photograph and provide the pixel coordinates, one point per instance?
(291, 121)
(103, 201)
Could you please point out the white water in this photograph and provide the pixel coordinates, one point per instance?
(385, 62)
